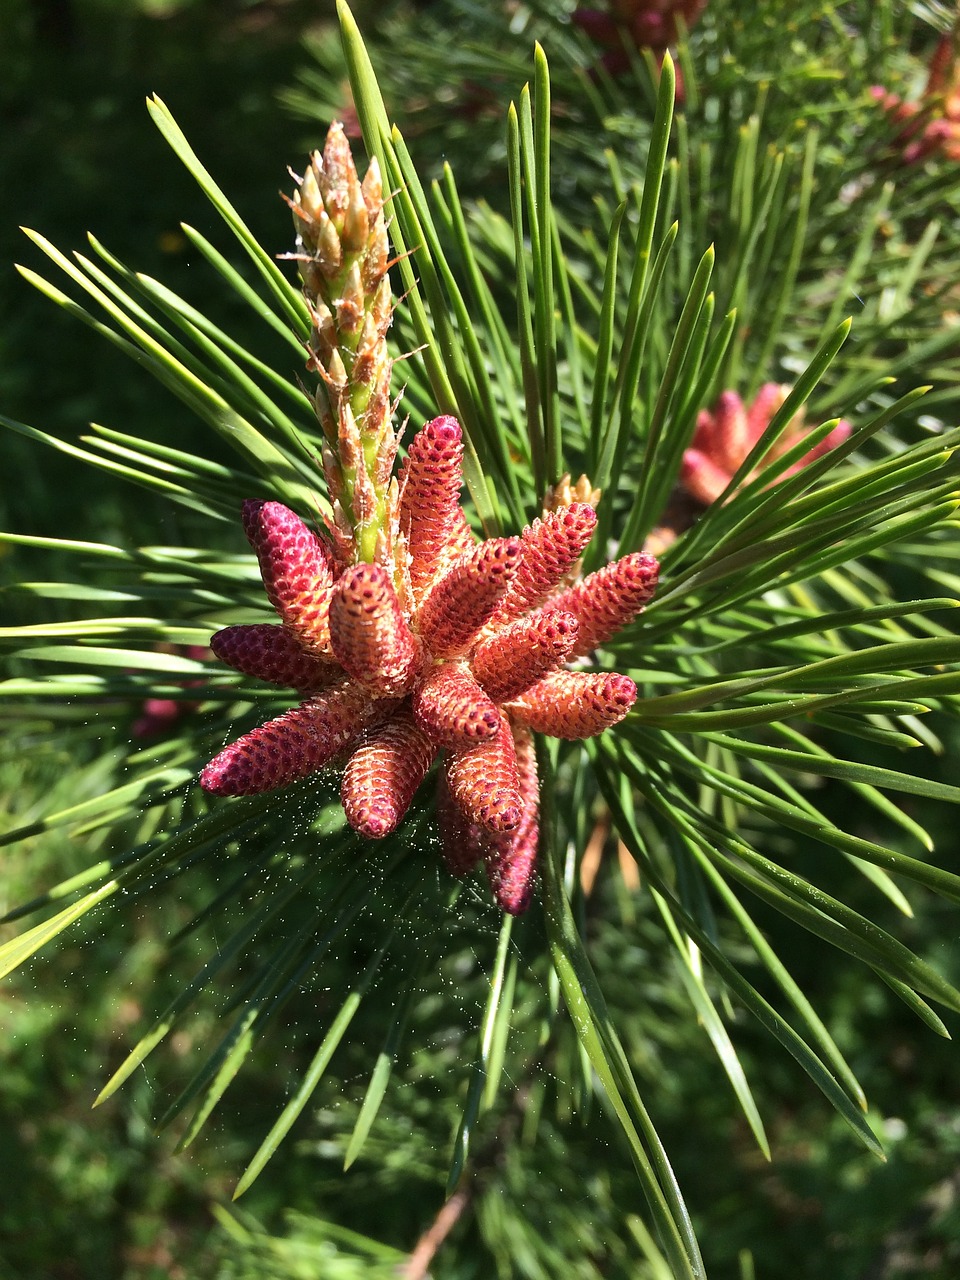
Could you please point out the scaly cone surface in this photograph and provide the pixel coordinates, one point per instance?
(470, 664)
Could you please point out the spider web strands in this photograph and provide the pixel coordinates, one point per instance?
(228, 949)
(212, 383)
(591, 1020)
(383, 1067)
(491, 1042)
(713, 953)
(198, 835)
(279, 976)
(314, 1073)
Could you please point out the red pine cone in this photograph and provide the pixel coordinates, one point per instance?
(510, 857)
(513, 659)
(383, 775)
(430, 512)
(369, 635)
(484, 781)
(296, 744)
(575, 704)
(453, 709)
(297, 570)
(457, 645)
(466, 596)
(607, 600)
(551, 547)
(273, 653)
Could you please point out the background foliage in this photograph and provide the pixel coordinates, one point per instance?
(822, 1202)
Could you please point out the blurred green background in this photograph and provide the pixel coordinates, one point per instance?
(94, 1195)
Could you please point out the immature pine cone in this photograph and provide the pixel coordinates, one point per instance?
(461, 649)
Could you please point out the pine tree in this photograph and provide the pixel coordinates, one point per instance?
(636, 755)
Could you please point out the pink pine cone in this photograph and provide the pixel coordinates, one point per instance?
(296, 567)
(452, 645)
(516, 657)
(466, 597)
(272, 653)
(450, 706)
(383, 775)
(550, 549)
(484, 781)
(370, 637)
(294, 745)
(606, 601)
(510, 857)
(575, 704)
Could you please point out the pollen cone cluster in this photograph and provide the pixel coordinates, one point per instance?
(455, 647)
(726, 434)
(930, 126)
